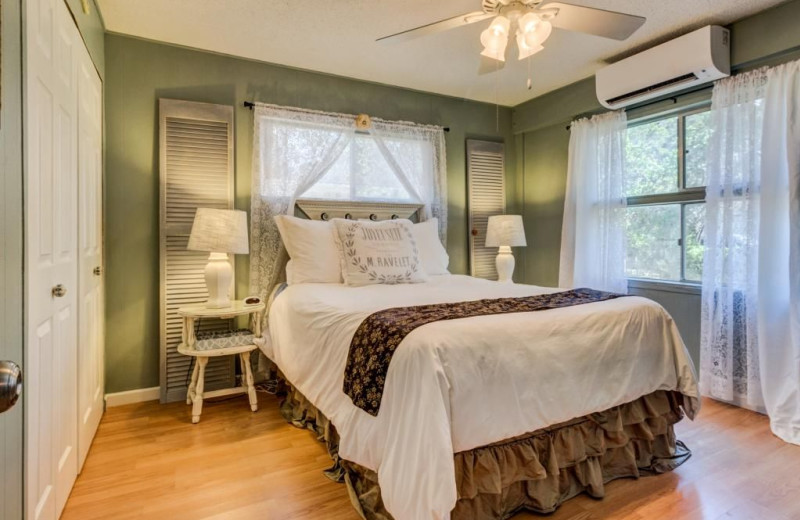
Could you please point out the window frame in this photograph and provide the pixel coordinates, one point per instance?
(682, 195)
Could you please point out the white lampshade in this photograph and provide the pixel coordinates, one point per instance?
(505, 230)
(531, 34)
(539, 35)
(495, 39)
(219, 231)
(526, 51)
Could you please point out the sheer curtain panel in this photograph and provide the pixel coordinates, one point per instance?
(416, 156)
(593, 233)
(302, 153)
(750, 339)
(729, 320)
(291, 151)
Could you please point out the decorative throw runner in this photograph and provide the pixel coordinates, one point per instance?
(379, 335)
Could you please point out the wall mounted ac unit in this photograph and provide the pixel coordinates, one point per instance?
(690, 60)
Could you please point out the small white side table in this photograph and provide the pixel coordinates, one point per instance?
(190, 314)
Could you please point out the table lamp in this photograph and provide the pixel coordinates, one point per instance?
(219, 231)
(505, 232)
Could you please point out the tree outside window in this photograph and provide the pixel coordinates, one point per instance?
(665, 186)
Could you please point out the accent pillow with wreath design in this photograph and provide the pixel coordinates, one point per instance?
(378, 252)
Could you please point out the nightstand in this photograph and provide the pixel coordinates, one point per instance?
(190, 314)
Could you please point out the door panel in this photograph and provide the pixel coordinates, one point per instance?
(50, 74)
(41, 475)
(64, 399)
(40, 188)
(90, 182)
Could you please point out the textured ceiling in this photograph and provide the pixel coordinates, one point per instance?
(338, 37)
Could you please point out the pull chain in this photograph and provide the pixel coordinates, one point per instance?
(496, 96)
(530, 83)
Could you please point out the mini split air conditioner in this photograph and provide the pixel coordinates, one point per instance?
(690, 60)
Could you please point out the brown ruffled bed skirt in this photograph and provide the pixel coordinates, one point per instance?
(537, 471)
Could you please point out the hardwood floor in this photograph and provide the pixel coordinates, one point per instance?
(149, 461)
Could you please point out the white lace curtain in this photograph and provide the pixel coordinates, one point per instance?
(295, 151)
(593, 233)
(729, 333)
(750, 327)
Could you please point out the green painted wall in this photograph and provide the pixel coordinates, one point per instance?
(767, 38)
(139, 72)
(92, 30)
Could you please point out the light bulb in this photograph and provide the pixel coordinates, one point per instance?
(495, 38)
(497, 52)
(528, 23)
(538, 36)
(500, 25)
(525, 50)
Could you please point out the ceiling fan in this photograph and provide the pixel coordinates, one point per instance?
(534, 20)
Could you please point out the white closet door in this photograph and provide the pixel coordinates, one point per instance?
(51, 42)
(90, 237)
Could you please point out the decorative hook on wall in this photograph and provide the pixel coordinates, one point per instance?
(363, 122)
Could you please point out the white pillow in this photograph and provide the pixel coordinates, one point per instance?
(378, 252)
(431, 251)
(290, 272)
(312, 248)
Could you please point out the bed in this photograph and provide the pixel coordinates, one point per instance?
(484, 416)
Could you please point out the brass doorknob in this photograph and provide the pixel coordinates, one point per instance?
(59, 291)
(97, 271)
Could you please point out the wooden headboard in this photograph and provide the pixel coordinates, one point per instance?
(316, 209)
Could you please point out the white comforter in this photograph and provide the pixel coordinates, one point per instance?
(456, 385)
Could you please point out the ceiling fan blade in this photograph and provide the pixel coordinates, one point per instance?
(608, 24)
(441, 25)
(489, 65)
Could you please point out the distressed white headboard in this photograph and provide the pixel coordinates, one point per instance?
(316, 209)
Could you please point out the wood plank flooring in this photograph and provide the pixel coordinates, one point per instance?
(149, 461)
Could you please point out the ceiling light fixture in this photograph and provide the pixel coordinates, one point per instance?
(531, 21)
(532, 29)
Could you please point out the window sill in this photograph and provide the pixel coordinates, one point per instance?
(665, 286)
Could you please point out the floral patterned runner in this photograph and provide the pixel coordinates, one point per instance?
(380, 334)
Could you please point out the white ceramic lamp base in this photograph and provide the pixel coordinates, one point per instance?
(505, 264)
(218, 281)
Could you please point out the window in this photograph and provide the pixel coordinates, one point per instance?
(362, 172)
(301, 153)
(665, 186)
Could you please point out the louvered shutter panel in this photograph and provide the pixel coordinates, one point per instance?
(486, 191)
(196, 169)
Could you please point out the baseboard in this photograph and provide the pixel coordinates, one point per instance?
(133, 396)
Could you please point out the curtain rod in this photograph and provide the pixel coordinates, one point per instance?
(251, 105)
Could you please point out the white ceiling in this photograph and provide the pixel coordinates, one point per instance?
(338, 37)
